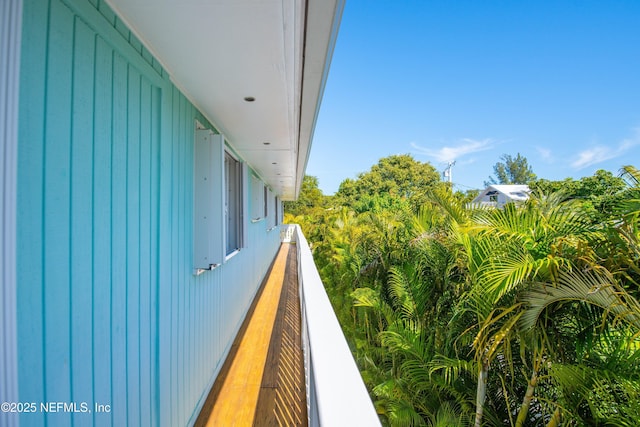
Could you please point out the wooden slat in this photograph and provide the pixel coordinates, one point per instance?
(235, 393)
(282, 400)
(262, 381)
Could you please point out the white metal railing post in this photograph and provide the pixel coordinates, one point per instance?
(336, 394)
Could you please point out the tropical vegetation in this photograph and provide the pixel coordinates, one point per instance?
(458, 315)
(511, 170)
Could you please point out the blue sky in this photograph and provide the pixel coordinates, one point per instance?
(556, 81)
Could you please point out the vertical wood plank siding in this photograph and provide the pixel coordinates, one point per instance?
(10, 31)
(109, 311)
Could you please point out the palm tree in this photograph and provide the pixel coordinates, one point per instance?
(521, 315)
(600, 300)
(507, 250)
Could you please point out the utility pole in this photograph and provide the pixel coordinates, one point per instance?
(447, 172)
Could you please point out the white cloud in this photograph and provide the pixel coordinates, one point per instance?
(545, 153)
(448, 154)
(467, 162)
(600, 153)
(593, 156)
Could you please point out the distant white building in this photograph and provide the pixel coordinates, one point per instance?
(500, 195)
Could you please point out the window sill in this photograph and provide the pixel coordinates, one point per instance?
(231, 255)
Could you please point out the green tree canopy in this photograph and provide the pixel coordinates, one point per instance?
(602, 182)
(598, 193)
(310, 197)
(512, 171)
(397, 177)
(526, 315)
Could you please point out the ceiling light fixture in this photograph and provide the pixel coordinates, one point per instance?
(249, 98)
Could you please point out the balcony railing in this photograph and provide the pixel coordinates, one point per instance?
(336, 394)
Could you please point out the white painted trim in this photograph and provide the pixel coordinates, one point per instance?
(336, 393)
(10, 33)
(245, 215)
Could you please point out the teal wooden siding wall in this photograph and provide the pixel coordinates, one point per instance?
(109, 310)
(10, 32)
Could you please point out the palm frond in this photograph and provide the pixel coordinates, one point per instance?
(395, 402)
(591, 286)
(402, 283)
(370, 298)
(403, 340)
(451, 368)
(631, 175)
(455, 212)
(450, 416)
(612, 399)
(495, 332)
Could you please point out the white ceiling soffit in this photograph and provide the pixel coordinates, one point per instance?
(219, 52)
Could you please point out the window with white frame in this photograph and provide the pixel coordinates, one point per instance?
(271, 208)
(279, 213)
(220, 201)
(265, 200)
(233, 203)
